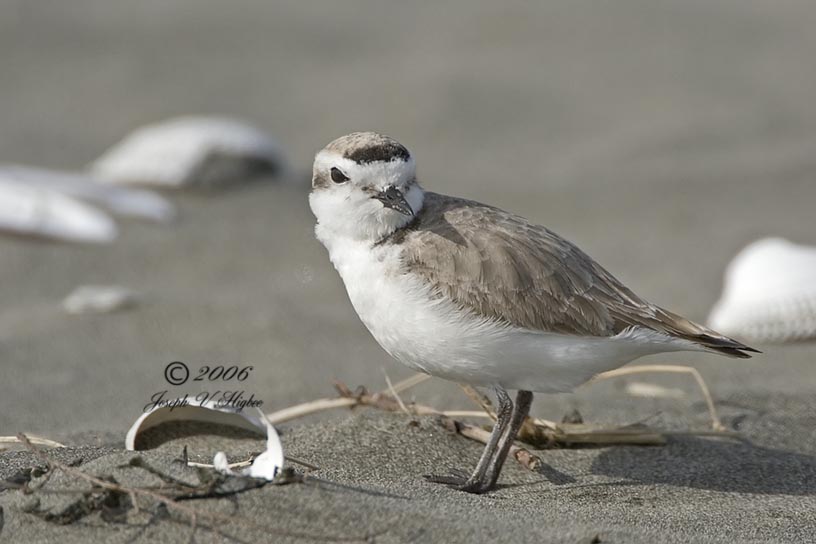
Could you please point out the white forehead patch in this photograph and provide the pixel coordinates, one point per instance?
(377, 174)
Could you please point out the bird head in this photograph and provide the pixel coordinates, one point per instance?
(364, 187)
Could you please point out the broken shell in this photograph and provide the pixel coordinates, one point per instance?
(179, 411)
(98, 299)
(40, 212)
(266, 465)
(190, 151)
(120, 200)
(769, 293)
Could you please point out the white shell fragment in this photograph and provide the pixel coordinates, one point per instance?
(190, 152)
(43, 213)
(124, 201)
(769, 293)
(178, 411)
(99, 299)
(221, 464)
(265, 466)
(268, 464)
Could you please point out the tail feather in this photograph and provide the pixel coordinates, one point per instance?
(722, 344)
(709, 339)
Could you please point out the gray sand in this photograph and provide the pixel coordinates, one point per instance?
(369, 485)
(660, 137)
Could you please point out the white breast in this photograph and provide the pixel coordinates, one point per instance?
(432, 335)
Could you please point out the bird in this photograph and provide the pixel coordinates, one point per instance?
(470, 293)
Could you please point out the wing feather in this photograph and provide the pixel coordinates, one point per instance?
(501, 266)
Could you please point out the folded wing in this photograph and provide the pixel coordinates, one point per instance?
(503, 267)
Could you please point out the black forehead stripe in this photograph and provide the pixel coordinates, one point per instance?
(388, 151)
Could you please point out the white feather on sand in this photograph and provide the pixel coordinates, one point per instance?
(769, 293)
(124, 201)
(34, 211)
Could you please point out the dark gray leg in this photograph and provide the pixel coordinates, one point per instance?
(524, 400)
(477, 481)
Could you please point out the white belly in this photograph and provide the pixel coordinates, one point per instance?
(432, 335)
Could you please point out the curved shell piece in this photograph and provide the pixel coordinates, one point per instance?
(189, 151)
(769, 293)
(266, 465)
(178, 410)
(40, 212)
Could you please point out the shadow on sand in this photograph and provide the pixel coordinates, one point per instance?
(714, 465)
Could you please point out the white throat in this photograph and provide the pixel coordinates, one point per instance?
(366, 223)
(348, 211)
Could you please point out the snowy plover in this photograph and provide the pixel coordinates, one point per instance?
(473, 294)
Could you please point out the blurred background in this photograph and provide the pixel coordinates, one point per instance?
(661, 137)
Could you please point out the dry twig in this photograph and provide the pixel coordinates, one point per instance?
(172, 503)
(345, 401)
(521, 455)
(716, 423)
(413, 381)
(480, 399)
(111, 486)
(312, 407)
(395, 394)
(538, 432)
(36, 440)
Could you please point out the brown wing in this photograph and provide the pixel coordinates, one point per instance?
(501, 266)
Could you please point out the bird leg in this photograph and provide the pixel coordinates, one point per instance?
(521, 409)
(478, 482)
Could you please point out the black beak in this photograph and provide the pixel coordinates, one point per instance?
(394, 199)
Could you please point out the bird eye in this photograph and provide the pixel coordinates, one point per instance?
(338, 176)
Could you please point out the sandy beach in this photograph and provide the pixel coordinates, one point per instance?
(661, 138)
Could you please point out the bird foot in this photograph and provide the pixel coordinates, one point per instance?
(461, 481)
